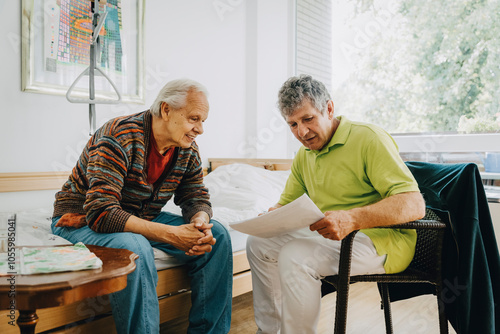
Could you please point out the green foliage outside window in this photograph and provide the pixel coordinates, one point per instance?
(429, 66)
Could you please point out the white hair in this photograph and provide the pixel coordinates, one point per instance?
(174, 93)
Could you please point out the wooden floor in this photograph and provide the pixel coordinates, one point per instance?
(415, 315)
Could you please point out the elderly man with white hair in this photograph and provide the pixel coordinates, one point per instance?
(130, 168)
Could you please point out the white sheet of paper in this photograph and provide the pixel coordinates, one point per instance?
(295, 215)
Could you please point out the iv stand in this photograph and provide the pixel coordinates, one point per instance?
(97, 23)
(92, 113)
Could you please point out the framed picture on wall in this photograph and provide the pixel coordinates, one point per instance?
(56, 37)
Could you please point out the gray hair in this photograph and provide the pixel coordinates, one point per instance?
(296, 89)
(174, 93)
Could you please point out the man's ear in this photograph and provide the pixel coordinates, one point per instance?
(330, 109)
(164, 110)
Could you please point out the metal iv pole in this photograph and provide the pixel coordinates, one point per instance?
(92, 70)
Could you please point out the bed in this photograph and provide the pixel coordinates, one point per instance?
(239, 188)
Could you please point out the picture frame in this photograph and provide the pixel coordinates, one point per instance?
(55, 48)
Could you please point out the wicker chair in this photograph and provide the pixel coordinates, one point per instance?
(424, 268)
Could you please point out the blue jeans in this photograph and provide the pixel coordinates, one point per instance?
(135, 309)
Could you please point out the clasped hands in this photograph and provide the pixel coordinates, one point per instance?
(199, 238)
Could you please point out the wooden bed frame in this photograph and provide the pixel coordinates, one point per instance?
(93, 315)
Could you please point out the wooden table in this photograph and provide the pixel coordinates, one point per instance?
(49, 290)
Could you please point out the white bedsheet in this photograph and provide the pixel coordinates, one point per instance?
(33, 229)
(240, 191)
(237, 191)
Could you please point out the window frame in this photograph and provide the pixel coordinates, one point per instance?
(449, 143)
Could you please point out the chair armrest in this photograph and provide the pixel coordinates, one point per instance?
(430, 221)
(418, 224)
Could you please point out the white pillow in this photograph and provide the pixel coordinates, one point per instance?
(241, 186)
(240, 191)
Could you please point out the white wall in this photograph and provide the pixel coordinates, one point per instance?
(239, 49)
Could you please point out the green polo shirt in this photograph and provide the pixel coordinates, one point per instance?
(359, 166)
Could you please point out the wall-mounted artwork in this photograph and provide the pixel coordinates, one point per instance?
(56, 37)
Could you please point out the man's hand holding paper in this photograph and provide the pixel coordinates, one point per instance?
(336, 225)
(296, 215)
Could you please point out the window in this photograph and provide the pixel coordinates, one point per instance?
(418, 66)
(426, 71)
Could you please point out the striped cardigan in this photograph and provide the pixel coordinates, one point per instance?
(108, 183)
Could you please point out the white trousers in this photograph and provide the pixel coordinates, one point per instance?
(286, 274)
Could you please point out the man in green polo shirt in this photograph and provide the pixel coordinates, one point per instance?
(353, 172)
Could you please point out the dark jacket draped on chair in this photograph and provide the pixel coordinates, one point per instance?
(471, 262)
